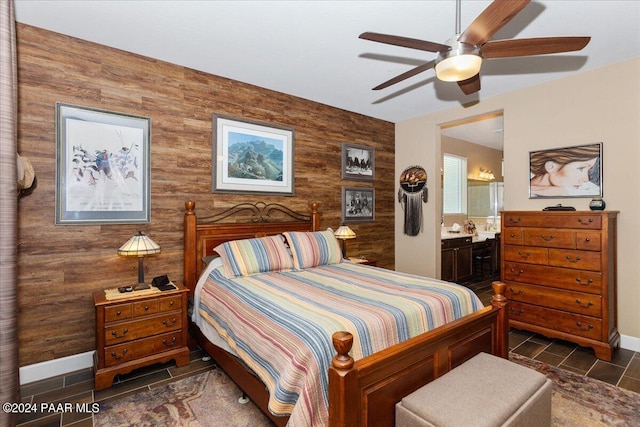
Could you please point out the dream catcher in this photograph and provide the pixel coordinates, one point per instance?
(412, 193)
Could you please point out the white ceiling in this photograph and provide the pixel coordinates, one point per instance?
(311, 49)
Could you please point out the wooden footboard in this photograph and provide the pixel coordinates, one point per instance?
(364, 392)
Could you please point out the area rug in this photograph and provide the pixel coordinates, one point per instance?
(582, 401)
(210, 399)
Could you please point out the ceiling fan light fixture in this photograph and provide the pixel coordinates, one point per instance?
(462, 62)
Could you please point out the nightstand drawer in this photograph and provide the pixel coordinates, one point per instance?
(129, 331)
(117, 312)
(117, 354)
(169, 303)
(145, 308)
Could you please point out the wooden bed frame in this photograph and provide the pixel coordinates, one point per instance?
(362, 392)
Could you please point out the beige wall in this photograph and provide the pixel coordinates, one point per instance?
(601, 105)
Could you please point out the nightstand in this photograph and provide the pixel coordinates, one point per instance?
(136, 329)
(372, 262)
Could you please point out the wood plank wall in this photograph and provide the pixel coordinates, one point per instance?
(60, 266)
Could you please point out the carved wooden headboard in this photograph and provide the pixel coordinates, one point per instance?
(202, 235)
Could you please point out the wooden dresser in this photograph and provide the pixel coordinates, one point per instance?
(560, 272)
(136, 330)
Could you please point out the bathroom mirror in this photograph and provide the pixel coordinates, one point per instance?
(484, 200)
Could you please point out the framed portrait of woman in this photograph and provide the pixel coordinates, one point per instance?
(566, 172)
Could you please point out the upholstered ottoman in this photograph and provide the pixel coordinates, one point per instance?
(484, 391)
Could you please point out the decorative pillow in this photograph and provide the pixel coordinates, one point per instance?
(310, 249)
(252, 256)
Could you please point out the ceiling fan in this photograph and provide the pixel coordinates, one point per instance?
(459, 59)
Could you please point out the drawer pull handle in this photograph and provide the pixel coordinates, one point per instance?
(169, 344)
(587, 305)
(524, 254)
(583, 222)
(547, 238)
(517, 313)
(515, 220)
(588, 328)
(587, 239)
(589, 281)
(146, 307)
(118, 313)
(124, 332)
(576, 259)
(170, 323)
(513, 291)
(171, 303)
(513, 270)
(114, 355)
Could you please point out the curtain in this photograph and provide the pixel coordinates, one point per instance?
(9, 371)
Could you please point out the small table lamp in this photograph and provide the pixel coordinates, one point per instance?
(343, 233)
(139, 245)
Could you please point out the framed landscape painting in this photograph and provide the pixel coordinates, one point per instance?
(252, 157)
(102, 166)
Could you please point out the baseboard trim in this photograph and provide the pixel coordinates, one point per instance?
(55, 367)
(65, 365)
(630, 343)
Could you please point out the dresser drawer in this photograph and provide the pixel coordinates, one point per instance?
(575, 324)
(121, 353)
(512, 236)
(582, 221)
(581, 260)
(128, 331)
(575, 302)
(117, 312)
(549, 238)
(588, 240)
(526, 254)
(563, 278)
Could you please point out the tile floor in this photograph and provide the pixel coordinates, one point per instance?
(623, 371)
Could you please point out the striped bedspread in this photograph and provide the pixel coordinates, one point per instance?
(281, 324)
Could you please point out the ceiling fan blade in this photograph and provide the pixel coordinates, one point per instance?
(537, 46)
(470, 85)
(404, 42)
(494, 17)
(412, 72)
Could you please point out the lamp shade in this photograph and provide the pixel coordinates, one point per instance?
(462, 62)
(344, 232)
(139, 245)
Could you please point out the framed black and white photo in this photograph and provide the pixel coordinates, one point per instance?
(358, 162)
(566, 172)
(252, 157)
(103, 166)
(358, 204)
